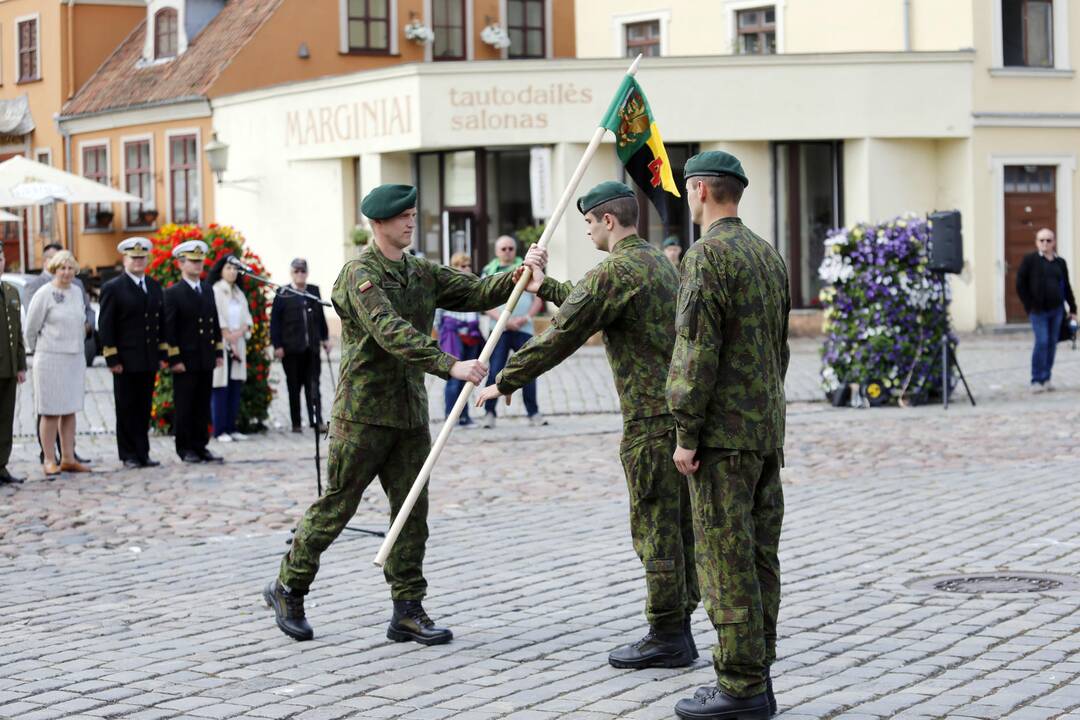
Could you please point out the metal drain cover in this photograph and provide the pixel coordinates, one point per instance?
(1000, 582)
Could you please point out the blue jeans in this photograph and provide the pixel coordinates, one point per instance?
(226, 407)
(1047, 327)
(511, 340)
(453, 387)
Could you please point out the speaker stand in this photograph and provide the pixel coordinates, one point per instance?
(949, 357)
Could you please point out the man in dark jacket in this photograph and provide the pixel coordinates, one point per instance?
(1042, 282)
(297, 331)
(130, 327)
(195, 348)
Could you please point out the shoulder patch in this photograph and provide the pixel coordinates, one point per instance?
(365, 286)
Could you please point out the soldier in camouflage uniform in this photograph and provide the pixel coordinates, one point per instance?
(630, 296)
(726, 391)
(386, 300)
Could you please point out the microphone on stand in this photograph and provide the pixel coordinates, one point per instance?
(240, 265)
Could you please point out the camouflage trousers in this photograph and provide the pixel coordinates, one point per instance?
(660, 521)
(359, 452)
(738, 510)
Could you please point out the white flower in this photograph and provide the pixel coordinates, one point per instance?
(495, 36)
(419, 32)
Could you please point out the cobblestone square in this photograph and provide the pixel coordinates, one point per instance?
(137, 594)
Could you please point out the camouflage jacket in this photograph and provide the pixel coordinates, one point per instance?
(631, 296)
(386, 310)
(726, 383)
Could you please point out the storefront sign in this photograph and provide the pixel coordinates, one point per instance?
(525, 108)
(540, 182)
(329, 124)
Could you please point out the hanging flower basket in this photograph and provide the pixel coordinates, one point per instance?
(103, 218)
(495, 36)
(419, 33)
(147, 218)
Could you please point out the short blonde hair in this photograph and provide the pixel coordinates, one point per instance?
(63, 257)
(459, 257)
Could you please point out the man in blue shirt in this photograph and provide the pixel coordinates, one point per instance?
(519, 329)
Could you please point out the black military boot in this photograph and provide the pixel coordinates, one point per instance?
(410, 622)
(656, 649)
(690, 638)
(718, 705)
(288, 611)
(705, 690)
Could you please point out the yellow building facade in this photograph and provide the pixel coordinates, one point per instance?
(1003, 153)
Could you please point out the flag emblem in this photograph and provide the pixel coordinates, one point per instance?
(640, 147)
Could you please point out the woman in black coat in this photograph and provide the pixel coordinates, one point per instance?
(1042, 283)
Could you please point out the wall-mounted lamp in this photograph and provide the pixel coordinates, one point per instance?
(304, 52)
(217, 155)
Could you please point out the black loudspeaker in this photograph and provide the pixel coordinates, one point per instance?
(946, 242)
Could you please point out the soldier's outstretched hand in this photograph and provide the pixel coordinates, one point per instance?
(472, 371)
(489, 393)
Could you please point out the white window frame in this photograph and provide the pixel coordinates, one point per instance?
(1065, 168)
(343, 27)
(1062, 66)
(152, 8)
(169, 135)
(38, 154)
(83, 145)
(37, 49)
(152, 202)
(733, 7)
(549, 44)
(619, 23)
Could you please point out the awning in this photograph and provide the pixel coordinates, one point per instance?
(15, 117)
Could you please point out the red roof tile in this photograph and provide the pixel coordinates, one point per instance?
(124, 80)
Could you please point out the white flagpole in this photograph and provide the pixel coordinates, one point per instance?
(489, 346)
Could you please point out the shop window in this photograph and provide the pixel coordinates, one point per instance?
(368, 23)
(808, 204)
(1028, 33)
(526, 28)
(448, 23)
(95, 166)
(29, 65)
(139, 181)
(166, 34)
(184, 179)
(756, 31)
(643, 38)
(651, 225)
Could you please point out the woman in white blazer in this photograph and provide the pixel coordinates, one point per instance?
(236, 323)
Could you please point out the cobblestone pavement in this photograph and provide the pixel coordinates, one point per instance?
(136, 594)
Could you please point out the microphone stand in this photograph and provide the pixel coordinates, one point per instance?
(280, 289)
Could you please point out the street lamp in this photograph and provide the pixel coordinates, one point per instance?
(217, 154)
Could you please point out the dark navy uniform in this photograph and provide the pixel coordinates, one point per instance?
(129, 324)
(193, 337)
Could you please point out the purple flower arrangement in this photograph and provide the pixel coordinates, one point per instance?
(885, 312)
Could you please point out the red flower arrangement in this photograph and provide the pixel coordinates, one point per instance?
(222, 240)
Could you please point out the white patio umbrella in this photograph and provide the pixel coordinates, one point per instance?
(24, 182)
(5, 216)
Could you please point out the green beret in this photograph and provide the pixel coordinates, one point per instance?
(607, 190)
(715, 163)
(387, 201)
(671, 241)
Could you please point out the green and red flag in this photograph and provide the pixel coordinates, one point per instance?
(639, 145)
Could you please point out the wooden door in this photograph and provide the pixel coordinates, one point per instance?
(1030, 205)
